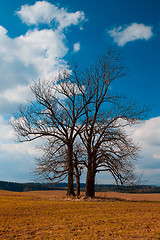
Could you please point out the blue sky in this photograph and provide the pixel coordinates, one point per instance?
(39, 37)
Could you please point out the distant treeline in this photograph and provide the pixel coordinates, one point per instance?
(129, 189)
(25, 187)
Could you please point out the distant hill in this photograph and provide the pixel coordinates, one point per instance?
(129, 189)
(24, 187)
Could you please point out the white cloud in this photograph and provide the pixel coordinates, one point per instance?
(7, 138)
(148, 135)
(19, 93)
(149, 132)
(16, 152)
(42, 49)
(5, 130)
(16, 149)
(76, 47)
(40, 12)
(132, 32)
(35, 54)
(3, 32)
(16, 160)
(45, 12)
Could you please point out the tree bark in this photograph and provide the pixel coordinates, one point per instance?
(90, 183)
(70, 191)
(78, 185)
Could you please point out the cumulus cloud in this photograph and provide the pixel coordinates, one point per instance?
(148, 135)
(76, 47)
(149, 132)
(7, 143)
(19, 93)
(132, 32)
(6, 131)
(35, 54)
(16, 160)
(44, 12)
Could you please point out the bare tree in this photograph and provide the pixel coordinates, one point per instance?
(52, 166)
(79, 157)
(106, 117)
(56, 113)
(80, 106)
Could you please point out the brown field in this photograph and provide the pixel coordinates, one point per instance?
(50, 215)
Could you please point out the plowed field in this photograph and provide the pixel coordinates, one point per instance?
(50, 215)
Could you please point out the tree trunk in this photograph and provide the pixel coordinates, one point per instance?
(70, 191)
(77, 175)
(90, 179)
(90, 183)
(78, 185)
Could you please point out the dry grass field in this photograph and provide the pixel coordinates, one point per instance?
(50, 215)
